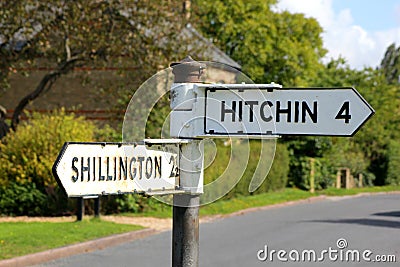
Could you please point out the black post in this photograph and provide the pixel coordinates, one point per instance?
(80, 208)
(97, 207)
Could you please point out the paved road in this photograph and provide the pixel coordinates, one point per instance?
(367, 223)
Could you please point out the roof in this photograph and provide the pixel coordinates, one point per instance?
(212, 52)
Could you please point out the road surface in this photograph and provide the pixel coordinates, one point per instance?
(321, 233)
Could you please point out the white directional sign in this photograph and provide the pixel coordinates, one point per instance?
(90, 169)
(262, 111)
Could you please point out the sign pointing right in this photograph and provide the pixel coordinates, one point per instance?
(253, 111)
(265, 110)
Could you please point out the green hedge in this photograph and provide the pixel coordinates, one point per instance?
(27, 186)
(324, 172)
(393, 167)
(275, 180)
(278, 176)
(17, 199)
(27, 155)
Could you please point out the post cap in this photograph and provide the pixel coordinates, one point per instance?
(187, 70)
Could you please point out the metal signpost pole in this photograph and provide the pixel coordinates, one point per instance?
(185, 232)
(185, 247)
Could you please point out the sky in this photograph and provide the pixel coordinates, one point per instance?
(358, 30)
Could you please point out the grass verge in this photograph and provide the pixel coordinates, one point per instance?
(160, 211)
(226, 206)
(21, 238)
(354, 191)
(288, 194)
(245, 202)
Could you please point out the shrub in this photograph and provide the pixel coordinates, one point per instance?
(19, 199)
(276, 178)
(137, 203)
(324, 173)
(107, 134)
(278, 175)
(27, 156)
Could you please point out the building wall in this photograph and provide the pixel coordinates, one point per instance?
(94, 96)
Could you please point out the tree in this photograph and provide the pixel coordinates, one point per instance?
(67, 34)
(271, 47)
(390, 64)
(375, 136)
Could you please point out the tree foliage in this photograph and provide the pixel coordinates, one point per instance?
(27, 185)
(28, 154)
(383, 97)
(369, 147)
(393, 172)
(271, 46)
(390, 64)
(287, 48)
(87, 33)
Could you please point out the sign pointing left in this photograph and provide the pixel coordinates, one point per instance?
(92, 169)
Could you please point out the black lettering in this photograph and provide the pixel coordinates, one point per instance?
(173, 161)
(75, 169)
(85, 169)
(240, 110)
(262, 111)
(109, 177)
(123, 168)
(344, 113)
(115, 168)
(132, 161)
(232, 111)
(251, 112)
(287, 111)
(157, 166)
(101, 177)
(296, 111)
(306, 109)
(140, 159)
(149, 161)
(94, 168)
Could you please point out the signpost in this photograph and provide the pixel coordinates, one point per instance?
(203, 111)
(93, 169)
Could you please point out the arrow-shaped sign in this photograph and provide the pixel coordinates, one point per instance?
(256, 110)
(305, 111)
(91, 169)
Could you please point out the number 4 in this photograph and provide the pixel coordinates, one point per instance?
(344, 112)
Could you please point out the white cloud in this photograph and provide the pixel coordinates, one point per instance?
(341, 36)
(312, 8)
